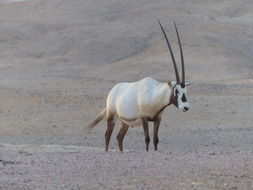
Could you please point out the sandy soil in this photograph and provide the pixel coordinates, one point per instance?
(60, 58)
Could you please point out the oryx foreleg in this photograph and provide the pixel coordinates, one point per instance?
(146, 133)
(155, 132)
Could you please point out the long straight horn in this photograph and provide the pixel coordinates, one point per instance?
(181, 53)
(171, 53)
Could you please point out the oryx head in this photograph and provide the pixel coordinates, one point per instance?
(179, 88)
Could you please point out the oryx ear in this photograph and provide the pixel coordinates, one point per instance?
(188, 84)
(172, 84)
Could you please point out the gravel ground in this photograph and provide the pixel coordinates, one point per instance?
(72, 167)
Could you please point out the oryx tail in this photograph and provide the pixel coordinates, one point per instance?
(99, 117)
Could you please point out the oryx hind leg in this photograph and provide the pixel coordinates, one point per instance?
(146, 133)
(111, 120)
(121, 135)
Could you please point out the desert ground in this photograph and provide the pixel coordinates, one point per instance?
(60, 58)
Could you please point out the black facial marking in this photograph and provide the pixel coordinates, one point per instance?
(184, 98)
(176, 95)
(177, 92)
(183, 85)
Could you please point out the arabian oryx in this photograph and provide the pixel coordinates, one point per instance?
(139, 102)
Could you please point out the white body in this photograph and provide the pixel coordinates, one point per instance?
(133, 101)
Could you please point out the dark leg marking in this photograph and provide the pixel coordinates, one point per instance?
(155, 132)
(146, 133)
(121, 135)
(110, 126)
